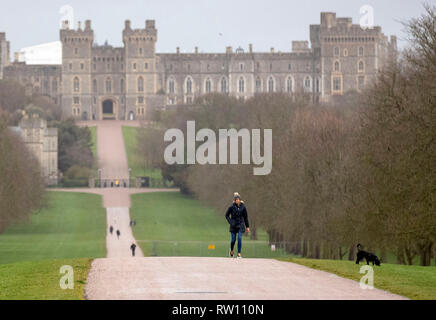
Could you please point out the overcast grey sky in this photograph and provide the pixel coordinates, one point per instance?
(209, 24)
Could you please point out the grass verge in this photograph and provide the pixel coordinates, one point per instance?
(134, 159)
(72, 225)
(40, 280)
(413, 282)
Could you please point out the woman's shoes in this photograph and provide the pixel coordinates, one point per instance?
(231, 254)
(239, 256)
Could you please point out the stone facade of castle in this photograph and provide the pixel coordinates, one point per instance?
(126, 83)
(43, 143)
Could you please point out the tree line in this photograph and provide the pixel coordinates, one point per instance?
(359, 169)
(21, 185)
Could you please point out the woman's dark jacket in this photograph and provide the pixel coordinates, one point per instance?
(237, 217)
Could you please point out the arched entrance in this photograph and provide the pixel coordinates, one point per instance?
(85, 115)
(108, 109)
(131, 116)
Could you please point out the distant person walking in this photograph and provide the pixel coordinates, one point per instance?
(237, 218)
(118, 234)
(133, 248)
(111, 229)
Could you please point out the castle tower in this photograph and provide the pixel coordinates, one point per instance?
(76, 70)
(350, 55)
(141, 73)
(4, 53)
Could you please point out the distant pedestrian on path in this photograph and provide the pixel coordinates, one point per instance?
(118, 234)
(111, 229)
(237, 218)
(133, 247)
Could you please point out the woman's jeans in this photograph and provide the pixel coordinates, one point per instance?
(232, 244)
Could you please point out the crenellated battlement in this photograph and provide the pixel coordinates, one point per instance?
(77, 35)
(149, 33)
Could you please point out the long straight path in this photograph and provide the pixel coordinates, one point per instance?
(119, 276)
(189, 278)
(112, 159)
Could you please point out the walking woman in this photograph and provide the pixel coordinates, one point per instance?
(237, 217)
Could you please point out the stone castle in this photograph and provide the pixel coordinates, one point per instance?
(43, 143)
(102, 82)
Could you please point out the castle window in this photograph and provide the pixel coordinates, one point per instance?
(270, 67)
(345, 52)
(223, 85)
(76, 51)
(71, 66)
(271, 84)
(82, 66)
(76, 84)
(108, 85)
(289, 84)
(189, 86)
(140, 84)
(94, 86)
(146, 66)
(307, 84)
(208, 86)
(134, 66)
(258, 85)
(317, 85)
(361, 66)
(360, 51)
(241, 66)
(140, 51)
(122, 86)
(140, 100)
(336, 66)
(76, 100)
(336, 84)
(171, 88)
(336, 51)
(241, 86)
(289, 67)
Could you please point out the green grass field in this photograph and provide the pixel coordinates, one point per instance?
(414, 282)
(39, 280)
(73, 225)
(135, 162)
(171, 224)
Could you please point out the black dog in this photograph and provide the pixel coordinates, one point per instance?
(369, 257)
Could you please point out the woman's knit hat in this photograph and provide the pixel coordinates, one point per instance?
(236, 195)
